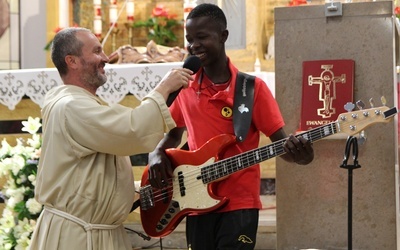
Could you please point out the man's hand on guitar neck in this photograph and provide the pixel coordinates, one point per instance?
(297, 148)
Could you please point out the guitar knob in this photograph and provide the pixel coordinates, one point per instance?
(175, 204)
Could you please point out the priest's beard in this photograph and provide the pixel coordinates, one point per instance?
(92, 75)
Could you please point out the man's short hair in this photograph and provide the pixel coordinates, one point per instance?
(209, 10)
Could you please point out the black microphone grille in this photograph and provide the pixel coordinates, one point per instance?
(193, 63)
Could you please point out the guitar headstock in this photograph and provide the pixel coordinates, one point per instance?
(354, 122)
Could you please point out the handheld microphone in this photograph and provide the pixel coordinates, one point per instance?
(193, 63)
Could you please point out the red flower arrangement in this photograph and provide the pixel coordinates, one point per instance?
(160, 25)
(297, 2)
(397, 11)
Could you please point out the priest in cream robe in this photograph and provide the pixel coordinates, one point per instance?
(85, 179)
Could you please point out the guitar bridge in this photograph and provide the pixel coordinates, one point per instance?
(146, 197)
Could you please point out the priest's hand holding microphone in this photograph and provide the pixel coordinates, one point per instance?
(179, 79)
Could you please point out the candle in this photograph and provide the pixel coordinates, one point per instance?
(97, 26)
(97, 11)
(130, 10)
(63, 19)
(113, 15)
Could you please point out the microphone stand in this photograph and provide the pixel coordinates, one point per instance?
(351, 145)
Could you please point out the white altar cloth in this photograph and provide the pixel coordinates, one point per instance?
(122, 79)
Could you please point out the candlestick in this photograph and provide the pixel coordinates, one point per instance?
(129, 27)
(114, 33)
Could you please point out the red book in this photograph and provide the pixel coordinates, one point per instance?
(327, 87)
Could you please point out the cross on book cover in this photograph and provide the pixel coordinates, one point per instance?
(327, 86)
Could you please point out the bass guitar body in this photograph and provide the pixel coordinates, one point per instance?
(161, 210)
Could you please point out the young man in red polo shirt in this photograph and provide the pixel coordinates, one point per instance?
(205, 110)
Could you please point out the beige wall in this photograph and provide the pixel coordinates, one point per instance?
(312, 200)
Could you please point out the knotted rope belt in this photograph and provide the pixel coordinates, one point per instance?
(88, 227)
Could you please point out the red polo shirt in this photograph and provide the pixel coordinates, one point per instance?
(206, 111)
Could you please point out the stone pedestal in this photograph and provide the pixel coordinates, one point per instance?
(312, 200)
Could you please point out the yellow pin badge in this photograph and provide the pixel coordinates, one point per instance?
(226, 112)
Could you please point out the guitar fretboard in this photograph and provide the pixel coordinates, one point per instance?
(242, 161)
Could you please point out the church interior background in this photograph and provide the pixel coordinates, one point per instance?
(28, 26)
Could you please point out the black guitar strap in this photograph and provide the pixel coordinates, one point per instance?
(243, 105)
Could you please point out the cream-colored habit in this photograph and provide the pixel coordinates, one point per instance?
(85, 178)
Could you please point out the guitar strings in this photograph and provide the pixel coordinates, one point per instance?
(192, 181)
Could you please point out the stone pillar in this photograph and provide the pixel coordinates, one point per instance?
(312, 200)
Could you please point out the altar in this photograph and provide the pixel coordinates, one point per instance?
(122, 80)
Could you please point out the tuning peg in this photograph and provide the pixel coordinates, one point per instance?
(349, 106)
(360, 105)
(383, 100)
(371, 102)
(362, 136)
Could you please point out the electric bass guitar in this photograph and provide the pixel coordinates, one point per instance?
(161, 210)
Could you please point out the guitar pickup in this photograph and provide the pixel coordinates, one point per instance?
(164, 193)
(181, 182)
